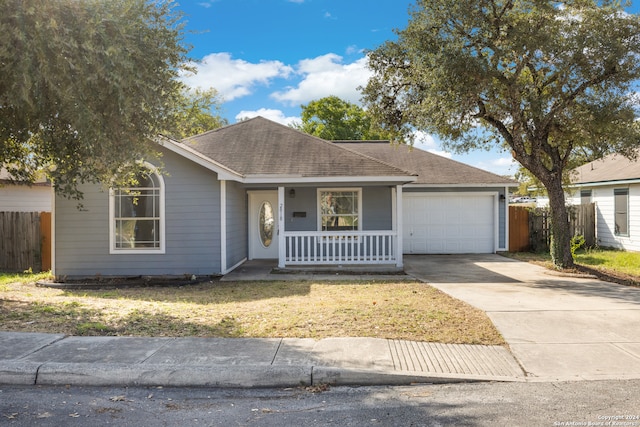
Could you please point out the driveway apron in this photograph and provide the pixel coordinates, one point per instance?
(558, 327)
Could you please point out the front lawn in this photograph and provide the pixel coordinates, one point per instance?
(398, 310)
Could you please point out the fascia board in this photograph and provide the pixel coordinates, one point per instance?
(275, 179)
(605, 183)
(477, 185)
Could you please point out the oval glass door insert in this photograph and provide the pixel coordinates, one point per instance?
(266, 224)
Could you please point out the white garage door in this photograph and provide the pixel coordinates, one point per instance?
(448, 223)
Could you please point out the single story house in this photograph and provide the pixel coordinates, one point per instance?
(613, 184)
(261, 190)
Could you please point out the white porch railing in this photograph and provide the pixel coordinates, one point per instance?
(332, 248)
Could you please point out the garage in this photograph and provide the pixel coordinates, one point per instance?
(449, 223)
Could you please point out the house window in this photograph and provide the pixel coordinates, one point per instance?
(340, 209)
(585, 197)
(621, 206)
(137, 216)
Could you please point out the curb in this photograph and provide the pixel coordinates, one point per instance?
(245, 376)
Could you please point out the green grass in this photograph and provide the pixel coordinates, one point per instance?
(26, 277)
(621, 261)
(617, 264)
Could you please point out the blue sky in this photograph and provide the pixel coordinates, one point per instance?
(267, 57)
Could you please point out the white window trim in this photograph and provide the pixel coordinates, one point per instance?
(343, 189)
(112, 238)
(628, 224)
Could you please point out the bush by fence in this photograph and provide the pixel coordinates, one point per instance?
(529, 227)
(25, 241)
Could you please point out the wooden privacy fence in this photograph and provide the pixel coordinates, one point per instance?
(529, 227)
(25, 241)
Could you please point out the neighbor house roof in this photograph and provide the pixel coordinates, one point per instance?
(431, 169)
(7, 178)
(613, 167)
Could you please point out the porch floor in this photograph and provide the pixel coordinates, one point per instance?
(267, 269)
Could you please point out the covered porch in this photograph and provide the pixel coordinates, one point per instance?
(340, 245)
(303, 231)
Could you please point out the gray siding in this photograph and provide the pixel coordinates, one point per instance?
(376, 208)
(192, 217)
(306, 200)
(502, 204)
(237, 240)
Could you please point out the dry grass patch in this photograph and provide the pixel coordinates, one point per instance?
(399, 310)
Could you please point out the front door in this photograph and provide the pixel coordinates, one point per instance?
(263, 225)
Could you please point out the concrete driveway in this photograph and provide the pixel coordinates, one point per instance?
(558, 327)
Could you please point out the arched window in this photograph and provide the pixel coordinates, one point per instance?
(137, 215)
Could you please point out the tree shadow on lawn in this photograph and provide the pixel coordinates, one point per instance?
(203, 293)
(73, 319)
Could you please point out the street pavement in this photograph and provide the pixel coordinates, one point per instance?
(557, 328)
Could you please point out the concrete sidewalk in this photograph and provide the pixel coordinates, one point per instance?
(559, 327)
(49, 359)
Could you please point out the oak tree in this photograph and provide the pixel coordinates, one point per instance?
(86, 85)
(540, 78)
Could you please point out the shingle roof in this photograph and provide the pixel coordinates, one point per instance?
(613, 167)
(261, 147)
(430, 168)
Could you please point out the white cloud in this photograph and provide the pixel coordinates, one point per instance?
(275, 115)
(498, 165)
(234, 78)
(504, 161)
(440, 153)
(353, 49)
(426, 142)
(324, 76)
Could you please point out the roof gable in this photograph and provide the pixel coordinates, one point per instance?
(614, 167)
(261, 147)
(430, 168)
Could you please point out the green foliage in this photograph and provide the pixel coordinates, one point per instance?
(85, 85)
(194, 113)
(332, 118)
(577, 242)
(542, 79)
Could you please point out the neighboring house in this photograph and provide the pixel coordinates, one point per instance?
(16, 196)
(261, 190)
(613, 183)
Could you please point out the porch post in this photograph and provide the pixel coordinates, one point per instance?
(398, 226)
(282, 250)
(223, 226)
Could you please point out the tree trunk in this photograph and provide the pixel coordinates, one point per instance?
(560, 230)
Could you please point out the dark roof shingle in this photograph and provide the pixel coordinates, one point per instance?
(614, 167)
(430, 168)
(261, 147)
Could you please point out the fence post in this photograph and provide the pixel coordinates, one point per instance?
(45, 240)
